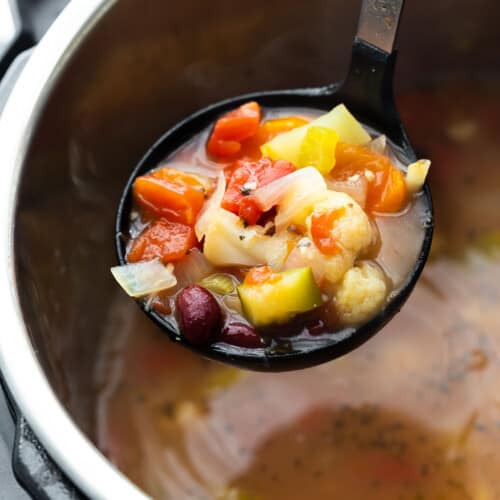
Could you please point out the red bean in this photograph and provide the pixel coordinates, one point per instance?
(241, 334)
(199, 314)
(317, 328)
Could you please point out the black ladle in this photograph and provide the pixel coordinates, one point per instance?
(368, 93)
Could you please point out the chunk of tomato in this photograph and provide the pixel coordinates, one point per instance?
(244, 177)
(233, 128)
(162, 239)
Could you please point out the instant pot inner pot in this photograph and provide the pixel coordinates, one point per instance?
(143, 67)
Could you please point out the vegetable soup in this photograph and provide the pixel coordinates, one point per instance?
(273, 227)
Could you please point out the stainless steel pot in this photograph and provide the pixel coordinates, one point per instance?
(105, 81)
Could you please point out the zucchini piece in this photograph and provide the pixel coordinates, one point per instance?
(277, 301)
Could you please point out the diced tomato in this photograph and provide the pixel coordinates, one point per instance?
(268, 131)
(249, 211)
(322, 225)
(171, 194)
(387, 190)
(163, 239)
(233, 128)
(279, 168)
(261, 274)
(239, 124)
(246, 176)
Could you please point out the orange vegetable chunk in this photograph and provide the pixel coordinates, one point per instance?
(163, 239)
(387, 190)
(393, 195)
(171, 194)
(261, 274)
(233, 128)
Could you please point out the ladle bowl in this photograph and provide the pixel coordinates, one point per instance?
(368, 92)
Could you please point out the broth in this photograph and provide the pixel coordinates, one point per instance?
(412, 414)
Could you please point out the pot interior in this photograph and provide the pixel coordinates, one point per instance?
(418, 400)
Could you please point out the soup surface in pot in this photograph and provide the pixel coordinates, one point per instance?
(412, 414)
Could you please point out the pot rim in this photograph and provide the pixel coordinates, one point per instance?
(81, 461)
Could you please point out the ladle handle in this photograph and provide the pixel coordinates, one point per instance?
(368, 86)
(378, 23)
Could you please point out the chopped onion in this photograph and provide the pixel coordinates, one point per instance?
(401, 240)
(229, 243)
(272, 194)
(144, 278)
(355, 186)
(378, 144)
(209, 212)
(416, 174)
(233, 303)
(294, 194)
(192, 268)
(305, 254)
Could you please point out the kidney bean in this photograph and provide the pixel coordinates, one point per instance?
(241, 334)
(317, 328)
(199, 315)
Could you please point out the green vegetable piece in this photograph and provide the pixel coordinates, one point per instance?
(221, 284)
(280, 300)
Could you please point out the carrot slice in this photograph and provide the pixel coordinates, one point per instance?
(171, 194)
(163, 239)
(233, 128)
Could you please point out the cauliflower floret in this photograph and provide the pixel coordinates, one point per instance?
(351, 232)
(324, 267)
(360, 294)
